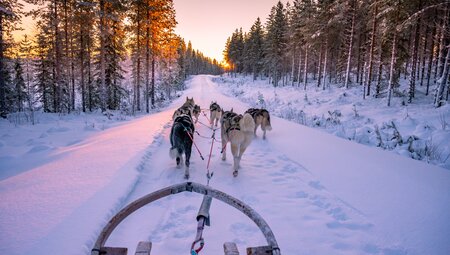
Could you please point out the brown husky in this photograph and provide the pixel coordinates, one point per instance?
(261, 118)
(238, 130)
(215, 113)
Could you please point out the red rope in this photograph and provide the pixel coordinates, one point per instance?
(204, 114)
(201, 156)
(210, 152)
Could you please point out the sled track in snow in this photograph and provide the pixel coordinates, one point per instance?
(126, 198)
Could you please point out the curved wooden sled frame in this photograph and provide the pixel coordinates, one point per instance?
(178, 188)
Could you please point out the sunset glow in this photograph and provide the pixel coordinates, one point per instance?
(206, 23)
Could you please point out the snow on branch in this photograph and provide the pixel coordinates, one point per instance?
(413, 17)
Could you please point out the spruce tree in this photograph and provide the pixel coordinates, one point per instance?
(19, 86)
(276, 41)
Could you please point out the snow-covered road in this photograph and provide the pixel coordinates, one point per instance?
(320, 194)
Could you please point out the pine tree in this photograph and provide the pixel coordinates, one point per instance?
(255, 48)
(19, 86)
(43, 67)
(276, 41)
(10, 14)
(372, 45)
(27, 55)
(83, 37)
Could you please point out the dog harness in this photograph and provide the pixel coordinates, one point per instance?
(214, 107)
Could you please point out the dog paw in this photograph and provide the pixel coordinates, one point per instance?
(235, 173)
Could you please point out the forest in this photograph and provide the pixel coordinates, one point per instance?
(374, 44)
(93, 54)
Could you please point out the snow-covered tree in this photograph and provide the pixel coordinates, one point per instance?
(10, 14)
(275, 43)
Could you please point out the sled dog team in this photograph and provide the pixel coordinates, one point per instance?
(236, 129)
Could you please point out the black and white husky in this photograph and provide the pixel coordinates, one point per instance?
(238, 130)
(214, 113)
(261, 118)
(181, 141)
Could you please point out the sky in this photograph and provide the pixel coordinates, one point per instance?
(208, 23)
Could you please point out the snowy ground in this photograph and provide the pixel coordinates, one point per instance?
(423, 131)
(319, 193)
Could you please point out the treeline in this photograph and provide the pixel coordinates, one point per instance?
(366, 43)
(94, 54)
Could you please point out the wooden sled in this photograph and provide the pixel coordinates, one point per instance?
(144, 248)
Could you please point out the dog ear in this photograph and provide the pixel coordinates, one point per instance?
(231, 110)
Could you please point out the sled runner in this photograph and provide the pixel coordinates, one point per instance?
(144, 248)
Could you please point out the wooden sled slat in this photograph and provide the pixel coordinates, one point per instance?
(261, 250)
(143, 248)
(230, 248)
(115, 250)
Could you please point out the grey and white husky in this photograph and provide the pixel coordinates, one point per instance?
(214, 113)
(181, 136)
(261, 118)
(187, 108)
(196, 112)
(238, 130)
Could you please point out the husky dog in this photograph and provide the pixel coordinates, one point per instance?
(180, 111)
(181, 137)
(196, 112)
(190, 104)
(261, 117)
(215, 113)
(187, 107)
(238, 130)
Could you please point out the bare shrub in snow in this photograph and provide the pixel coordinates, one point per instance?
(355, 111)
(334, 117)
(379, 138)
(443, 121)
(261, 102)
(19, 118)
(433, 152)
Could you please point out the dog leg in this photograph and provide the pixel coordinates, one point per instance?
(179, 160)
(187, 163)
(224, 149)
(234, 151)
(186, 172)
(236, 166)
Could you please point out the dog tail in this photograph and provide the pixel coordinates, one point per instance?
(268, 125)
(267, 119)
(247, 123)
(174, 152)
